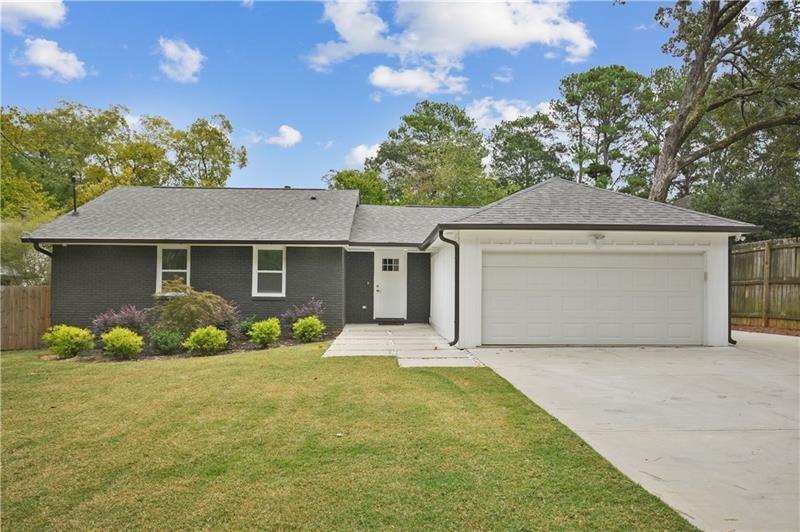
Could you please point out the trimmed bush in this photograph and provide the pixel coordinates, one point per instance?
(245, 324)
(186, 309)
(308, 329)
(67, 341)
(312, 307)
(165, 341)
(206, 340)
(128, 316)
(265, 332)
(120, 342)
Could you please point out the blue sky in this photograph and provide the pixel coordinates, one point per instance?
(267, 65)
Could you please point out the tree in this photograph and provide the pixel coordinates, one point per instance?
(433, 140)
(525, 152)
(368, 182)
(732, 57)
(102, 151)
(597, 110)
(756, 180)
(204, 153)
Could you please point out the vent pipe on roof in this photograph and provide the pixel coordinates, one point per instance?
(287, 187)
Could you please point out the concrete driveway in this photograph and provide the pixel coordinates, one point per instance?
(711, 431)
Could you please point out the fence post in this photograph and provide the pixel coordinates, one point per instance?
(765, 286)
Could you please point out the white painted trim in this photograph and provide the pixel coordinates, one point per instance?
(160, 272)
(256, 271)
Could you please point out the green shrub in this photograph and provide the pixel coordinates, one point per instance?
(206, 340)
(308, 329)
(67, 341)
(245, 324)
(165, 341)
(185, 309)
(120, 342)
(265, 332)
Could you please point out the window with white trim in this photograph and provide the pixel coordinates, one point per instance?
(269, 271)
(173, 264)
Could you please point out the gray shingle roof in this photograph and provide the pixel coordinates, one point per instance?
(561, 204)
(382, 224)
(208, 215)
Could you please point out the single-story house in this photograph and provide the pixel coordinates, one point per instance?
(557, 263)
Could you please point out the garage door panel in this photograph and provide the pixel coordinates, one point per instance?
(587, 298)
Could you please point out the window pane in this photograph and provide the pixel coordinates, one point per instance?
(270, 283)
(173, 259)
(173, 276)
(270, 259)
(390, 265)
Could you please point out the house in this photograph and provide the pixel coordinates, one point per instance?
(557, 263)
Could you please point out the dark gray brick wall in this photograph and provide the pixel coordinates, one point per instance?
(418, 286)
(317, 272)
(90, 279)
(360, 273)
(359, 279)
(87, 280)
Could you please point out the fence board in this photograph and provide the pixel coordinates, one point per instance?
(765, 284)
(24, 316)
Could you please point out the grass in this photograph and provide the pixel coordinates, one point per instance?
(250, 440)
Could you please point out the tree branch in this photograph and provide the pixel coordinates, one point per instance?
(790, 119)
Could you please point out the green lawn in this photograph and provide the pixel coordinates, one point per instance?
(250, 440)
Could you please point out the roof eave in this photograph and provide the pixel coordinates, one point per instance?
(590, 227)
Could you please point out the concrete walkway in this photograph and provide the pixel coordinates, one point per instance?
(414, 344)
(711, 431)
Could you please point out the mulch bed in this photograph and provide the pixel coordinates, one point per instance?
(767, 330)
(234, 346)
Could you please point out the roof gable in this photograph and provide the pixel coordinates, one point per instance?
(561, 204)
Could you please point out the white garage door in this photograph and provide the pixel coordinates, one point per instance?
(592, 298)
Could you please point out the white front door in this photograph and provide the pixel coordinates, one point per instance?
(390, 284)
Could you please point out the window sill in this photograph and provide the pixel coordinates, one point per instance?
(268, 298)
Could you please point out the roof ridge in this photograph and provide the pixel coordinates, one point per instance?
(503, 200)
(649, 201)
(243, 188)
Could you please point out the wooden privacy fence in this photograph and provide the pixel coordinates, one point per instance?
(765, 284)
(24, 316)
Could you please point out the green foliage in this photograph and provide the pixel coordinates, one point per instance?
(308, 329)
(165, 341)
(433, 157)
(120, 342)
(43, 149)
(265, 332)
(245, 324)
(525, 152)
(67, 341)
(367, 182)
(597, 110)
(184, 309)
(206, 340)
(25, 265)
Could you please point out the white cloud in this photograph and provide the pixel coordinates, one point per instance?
(435, 36)
(51, 61)
(550, 55)
(248, 3)
(181, 62)
(287, 137)
(359, 154)
(16, 15)
(488, 112)
(418, 80)
(328, 144)
(504, 74)
(642, 27)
